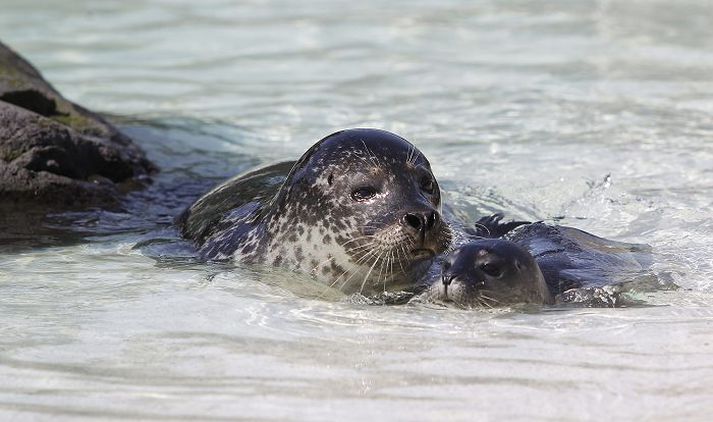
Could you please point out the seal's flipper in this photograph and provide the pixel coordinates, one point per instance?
(201, 219)
(492, 227)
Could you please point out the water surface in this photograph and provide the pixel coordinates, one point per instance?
(595, 114)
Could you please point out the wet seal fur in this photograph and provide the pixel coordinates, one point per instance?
(360, 211)
(538, 264)
(489, 273)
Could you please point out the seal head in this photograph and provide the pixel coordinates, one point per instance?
(360, 211)
(490, 273)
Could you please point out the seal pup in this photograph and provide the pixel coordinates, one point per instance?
(488, 273)
(360, 211)
(538, 263)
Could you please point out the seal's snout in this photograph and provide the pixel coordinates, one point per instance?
(447, 273)
(425, 229)
(447, 278)
(421, 222)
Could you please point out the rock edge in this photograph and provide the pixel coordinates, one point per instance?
(55, 153)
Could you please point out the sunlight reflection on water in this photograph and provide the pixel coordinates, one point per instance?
(522, 107)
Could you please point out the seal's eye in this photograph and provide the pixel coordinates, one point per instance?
(491, 269)
(363, 193)
(428, 184)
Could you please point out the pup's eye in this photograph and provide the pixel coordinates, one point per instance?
(492, 270)
(363, 193)
(428, 184)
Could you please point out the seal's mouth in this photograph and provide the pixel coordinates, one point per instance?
(421, 253)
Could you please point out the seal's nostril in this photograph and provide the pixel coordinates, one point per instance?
(432, 220)
(447, 277)
(413, 220)
(422, 222)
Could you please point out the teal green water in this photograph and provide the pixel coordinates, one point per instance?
(597, 113)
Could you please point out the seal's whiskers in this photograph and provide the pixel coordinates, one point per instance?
(366, 277)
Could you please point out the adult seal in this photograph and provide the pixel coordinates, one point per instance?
(360, 211)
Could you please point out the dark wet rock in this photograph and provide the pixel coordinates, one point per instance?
(56, 154)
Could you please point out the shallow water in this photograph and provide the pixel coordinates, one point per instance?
(598, 115)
